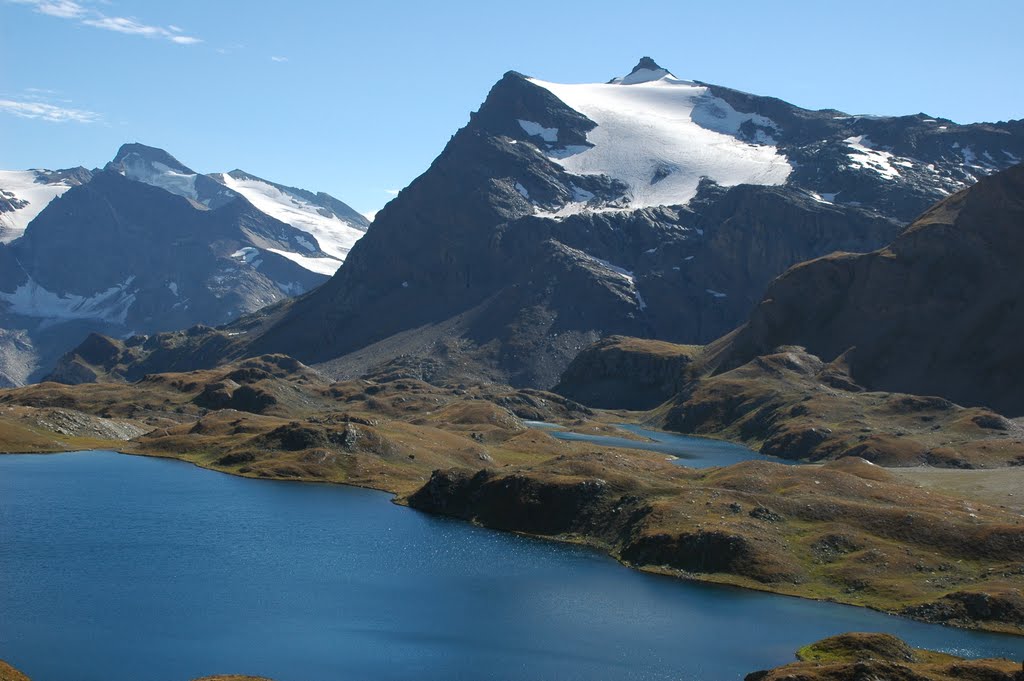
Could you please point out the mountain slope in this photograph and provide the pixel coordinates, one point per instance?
(936, 312)
(648, 206)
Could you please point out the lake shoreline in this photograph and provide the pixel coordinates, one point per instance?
(718, 579)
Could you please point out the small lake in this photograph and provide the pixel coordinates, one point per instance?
(696, 452)
(119, 568)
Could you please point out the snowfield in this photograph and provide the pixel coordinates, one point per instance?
(334, 235)
(660, 135)
(32, 300)
(23, 185)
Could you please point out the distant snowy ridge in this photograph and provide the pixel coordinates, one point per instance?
(660, 136)
(332, 227)
(335, 235)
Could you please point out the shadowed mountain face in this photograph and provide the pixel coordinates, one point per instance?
(937, 312)
(563, 213)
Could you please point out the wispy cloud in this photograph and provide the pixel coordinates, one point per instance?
(70, 9)
(65, 9)
(393, 192)
(132, 27)
(279, 59)
(47, 112)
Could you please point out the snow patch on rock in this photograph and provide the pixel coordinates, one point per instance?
(863, 156)
(626, 275)
(246, 255)
(538, 130)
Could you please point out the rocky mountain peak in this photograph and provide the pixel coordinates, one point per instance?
(158, 168)
(130, 155)
(648, 64)
(646, 71)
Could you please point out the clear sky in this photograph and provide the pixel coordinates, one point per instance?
(356, 99)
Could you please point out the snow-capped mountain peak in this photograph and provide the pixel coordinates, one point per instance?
(159, 174)
(137, 156)
(646, 71)
(158, 168)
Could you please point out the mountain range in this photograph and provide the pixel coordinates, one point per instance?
(823, 288)
(147, 245)
(646, 206)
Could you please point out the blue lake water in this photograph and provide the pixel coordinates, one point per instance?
(118, 568)
(696, 452)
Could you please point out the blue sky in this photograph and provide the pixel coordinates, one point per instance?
(356, 99)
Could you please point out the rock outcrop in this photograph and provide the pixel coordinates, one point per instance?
(619, 372)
